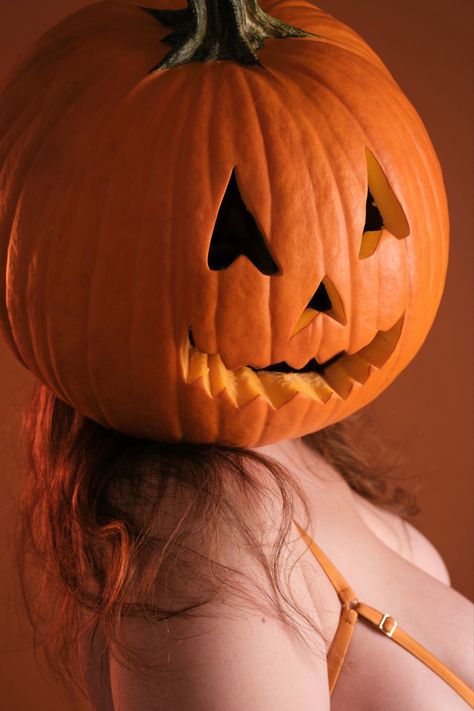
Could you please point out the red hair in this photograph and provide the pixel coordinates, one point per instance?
(97, 531)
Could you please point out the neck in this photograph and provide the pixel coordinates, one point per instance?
(331, 499)
(306, 465)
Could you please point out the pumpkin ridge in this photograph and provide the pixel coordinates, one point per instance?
(9, 218)
(436, 284)
(119, 105)
(312, 127)
(278, 85)
(246, 89)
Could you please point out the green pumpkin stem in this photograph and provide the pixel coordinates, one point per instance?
(219, 29)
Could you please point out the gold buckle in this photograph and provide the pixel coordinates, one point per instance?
(382, 622)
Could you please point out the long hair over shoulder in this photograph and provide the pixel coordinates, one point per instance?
(115, 526)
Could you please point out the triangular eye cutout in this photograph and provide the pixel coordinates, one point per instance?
(383, 209)
(236, 233)
(373, 218)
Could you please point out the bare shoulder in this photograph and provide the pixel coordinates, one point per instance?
(221, 662)
(231, 653)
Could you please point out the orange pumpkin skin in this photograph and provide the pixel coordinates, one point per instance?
(111, 181)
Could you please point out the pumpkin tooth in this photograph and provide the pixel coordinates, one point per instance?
(339, 379)
(198, 368)
(220, 378)
(218, 374)
(321, 388)
(248, 385)
(357, 367)
(378, 351)
(231, 386)
(185, 352)
(277, 387)
(304, 386)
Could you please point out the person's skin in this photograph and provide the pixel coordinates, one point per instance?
(249, 660)
(390, 565)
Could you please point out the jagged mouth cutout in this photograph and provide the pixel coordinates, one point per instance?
(237, 233)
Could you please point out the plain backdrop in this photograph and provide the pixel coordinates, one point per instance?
(428, 410)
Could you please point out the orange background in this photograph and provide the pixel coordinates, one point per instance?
(428, 411)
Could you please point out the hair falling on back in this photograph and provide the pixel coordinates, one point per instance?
(113, 527)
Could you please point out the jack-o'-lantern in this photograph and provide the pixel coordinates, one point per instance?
(233, 231)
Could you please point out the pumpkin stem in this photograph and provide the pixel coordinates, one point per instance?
(219, 29)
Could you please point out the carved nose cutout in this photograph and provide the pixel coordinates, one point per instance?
(235, 233)
(326, 299)
(382, 209)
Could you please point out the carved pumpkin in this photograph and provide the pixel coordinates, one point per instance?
(240, 238)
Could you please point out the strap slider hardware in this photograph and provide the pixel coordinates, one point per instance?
(382, 622)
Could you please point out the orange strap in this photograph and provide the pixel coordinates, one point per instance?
(352, 609)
